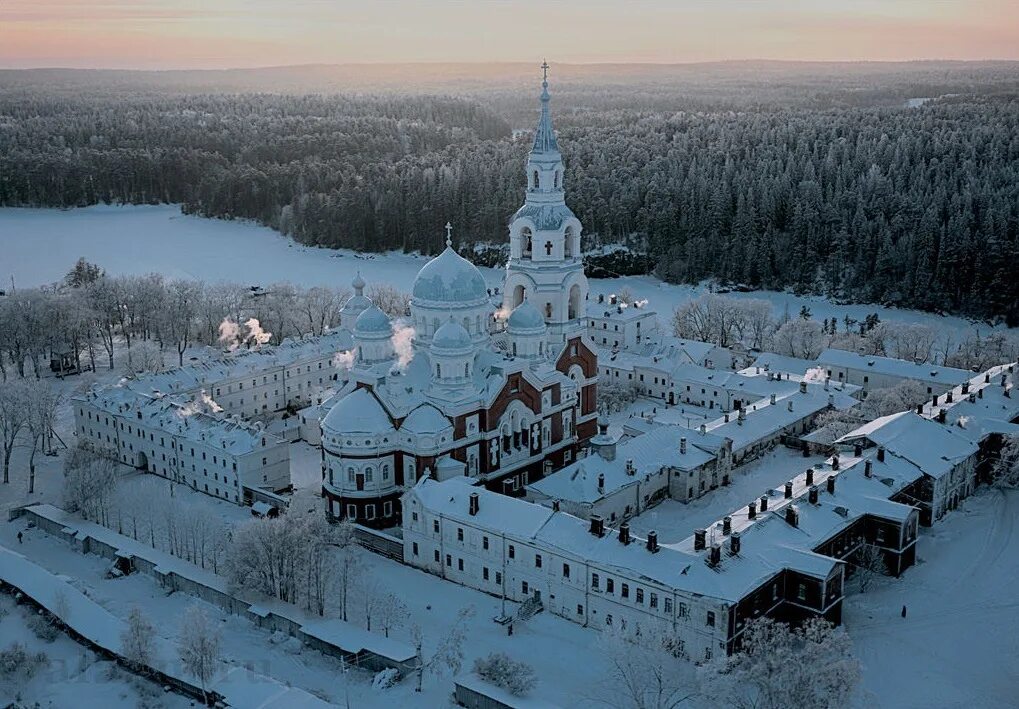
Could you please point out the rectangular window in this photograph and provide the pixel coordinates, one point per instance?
(580, 609)
(594, 581)
(415, 548)
(610, 585)
(484, 542)
(537, 561)
(801, 592)
(459, 534)
(449, 560)
(711, 619)
(524, 588)
(668, 606)
(460, 564)
(626, 591)
(512, 552)
(498, 577)
(566, 571)
(608, 619)
(640, 595)
(654, 600)
(436, 556)
(484, 573)
(435, 526)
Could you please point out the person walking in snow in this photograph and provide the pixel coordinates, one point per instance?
(19, 537)
(903, 611)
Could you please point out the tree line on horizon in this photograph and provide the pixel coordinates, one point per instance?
(915, 207)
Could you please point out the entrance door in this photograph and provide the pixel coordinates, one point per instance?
(359, 480)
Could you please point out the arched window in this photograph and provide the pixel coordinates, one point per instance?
(438, 370)
(467, 369)
(525, 242)
(467, 324)
(385, 472)
(368, 474)
(514, 349)
(535, 179)
(568, 242)
(548, 311)
(350, 474)
(557, 179)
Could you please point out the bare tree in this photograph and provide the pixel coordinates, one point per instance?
(392, 301)
(642, 672)
(178, 319)
(868, 564)
(13, 401)
(391, 612)
(90, 483)
(799, 338)
(448, 653)
(137, 641)
(40, 412)
(198, 647)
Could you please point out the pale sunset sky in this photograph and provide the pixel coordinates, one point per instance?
(145, 34)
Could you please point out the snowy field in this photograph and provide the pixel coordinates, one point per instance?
(40, 245)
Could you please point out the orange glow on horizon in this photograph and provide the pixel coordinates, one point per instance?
(144, 34)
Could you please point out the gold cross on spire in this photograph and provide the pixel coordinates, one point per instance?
(544, 70)
(449, 234)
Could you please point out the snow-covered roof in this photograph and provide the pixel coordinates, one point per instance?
(452, 336)
(933, 447)
(525, 317)
(373, 321)
(545, 217)
(450, 278)
(771, 362)
(892, 367)
(425, 419)
(506, 514)
(358, 413)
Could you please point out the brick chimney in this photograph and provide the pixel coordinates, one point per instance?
(699, 538)
(473, 505)
(652, 542)
(624, 533)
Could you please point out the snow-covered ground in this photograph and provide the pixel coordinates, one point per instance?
(958, 647)
(40, 246)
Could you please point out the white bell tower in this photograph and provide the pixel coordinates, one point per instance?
(545, 266)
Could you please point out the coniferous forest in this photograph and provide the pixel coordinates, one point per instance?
(823, 179)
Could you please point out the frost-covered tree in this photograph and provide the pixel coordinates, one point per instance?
(448, 654)
(40, 413)
(137, 641)
(392, 301)
(779, 667)
(391, 612)
(1006, 468)
(500, 669)
(868, 564)
(13, 404)
(90, 484)
(799, 338)
(643, 671)
(615, 396)
(889, 400)
(198, 646)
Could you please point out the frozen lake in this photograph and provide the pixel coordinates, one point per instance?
(38, 246)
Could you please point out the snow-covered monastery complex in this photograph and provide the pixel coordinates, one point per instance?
(785, 554)
(461, 392)
(193, 424)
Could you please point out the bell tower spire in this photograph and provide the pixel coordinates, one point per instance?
(545, 266)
